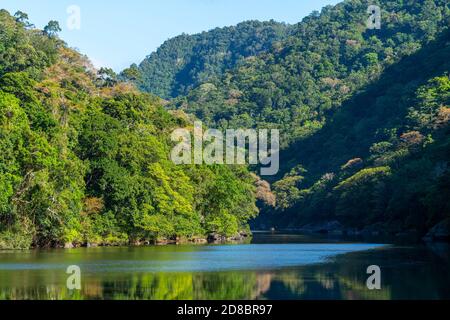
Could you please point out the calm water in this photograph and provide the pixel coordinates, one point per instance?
(280, 266)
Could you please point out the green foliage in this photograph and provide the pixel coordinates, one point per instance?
(186, 61)
(107, 77)
(22, 18)
(363, 113)
(85, 158)
(287, 190)
(350, 103)
(22, 49)
(400, 136)
(15, 239)
(321, 63)
(52, 28)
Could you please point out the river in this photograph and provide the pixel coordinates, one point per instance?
(271, 266)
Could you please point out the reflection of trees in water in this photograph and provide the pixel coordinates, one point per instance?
(321, 282)
(49, 292)
(263, 282)
(415, 273)
(186, 286)
(151, 286)
(407, 273)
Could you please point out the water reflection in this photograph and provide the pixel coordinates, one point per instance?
(407, 273)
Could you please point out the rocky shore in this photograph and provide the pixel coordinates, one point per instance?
(439, 233)
(215, 238)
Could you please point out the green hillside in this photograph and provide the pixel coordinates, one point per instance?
(382, 159)
(363, 116)
(357, 110)
(86, 160)
(184, 62)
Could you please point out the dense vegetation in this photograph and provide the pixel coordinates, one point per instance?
(383, 160)
(363, 115)
(84, 159)
(184, 62)
(328, 57)
(206, 286)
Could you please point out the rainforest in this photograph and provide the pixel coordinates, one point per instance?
(363, 117)
(352, 186)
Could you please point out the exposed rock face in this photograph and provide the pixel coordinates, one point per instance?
(440, 232)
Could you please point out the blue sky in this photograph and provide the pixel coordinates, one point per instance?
(117, 33)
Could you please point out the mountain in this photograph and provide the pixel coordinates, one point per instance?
(328, 58)
(363, 115)
(186, 61)
(85, 159)
(343, 160)
(380, 163)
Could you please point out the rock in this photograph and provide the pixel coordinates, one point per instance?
(214, 237)
(238, 237)
(165, 241)
(200, 241)
(440, 232)
(217, 238)
(91, 245)
(68, 245)
(134, 242)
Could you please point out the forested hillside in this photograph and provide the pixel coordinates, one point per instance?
(363, 115)
(328, 58)
(359, 111)
(382, 164)
(184, 62)
(85, 160)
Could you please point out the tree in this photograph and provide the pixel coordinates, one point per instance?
(52, 28)
(22, 18)
(106, 77)
(131, 74)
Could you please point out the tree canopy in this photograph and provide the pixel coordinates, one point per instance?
(84, 158)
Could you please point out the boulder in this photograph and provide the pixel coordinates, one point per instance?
(200, 241)
(68, 245)
(215, 237)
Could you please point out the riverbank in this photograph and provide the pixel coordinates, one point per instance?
(241, 237)
(439, 233)
(273, 266)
